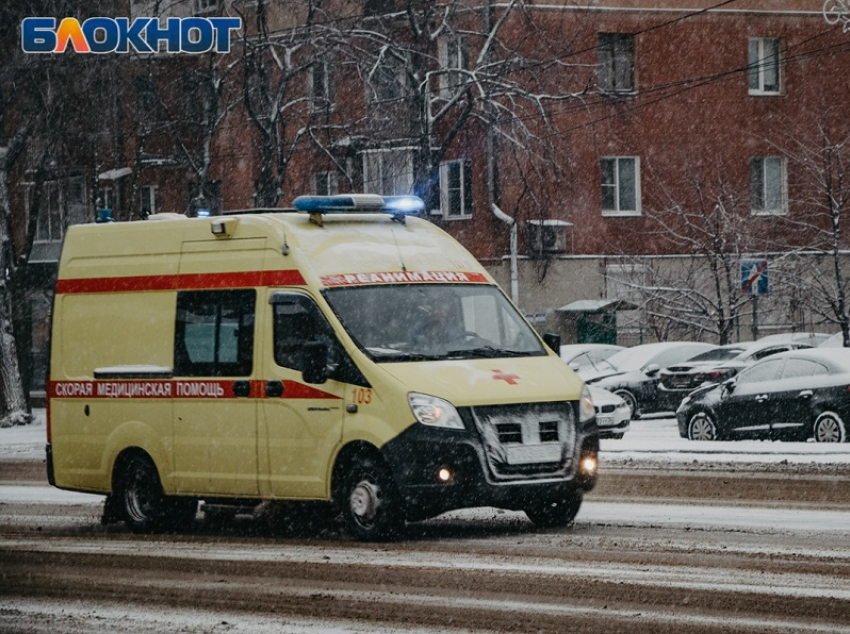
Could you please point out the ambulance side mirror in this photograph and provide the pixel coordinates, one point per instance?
(314, 366)
(553, 340)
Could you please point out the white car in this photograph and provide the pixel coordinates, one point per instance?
(613, 414)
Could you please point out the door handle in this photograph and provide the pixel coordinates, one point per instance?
(241, 388)
(806, 394)
(274, 389)
(761, 398)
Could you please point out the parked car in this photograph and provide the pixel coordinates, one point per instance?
(634, 372)
(714, 366)
(613, 414)
(583, 356)
(833, 341)
(790, 396)
(813, 339)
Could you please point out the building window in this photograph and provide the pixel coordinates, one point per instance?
(388, 172)
(456, 189)
(106, 199)
(768, 185)
(388, 79)
(764, 66)
(620, 186)
(214, 333)
(321, 86)
(454, 57)
(616, 62)
(325, 183)
(149, 203)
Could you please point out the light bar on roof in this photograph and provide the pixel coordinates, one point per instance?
(359, 203)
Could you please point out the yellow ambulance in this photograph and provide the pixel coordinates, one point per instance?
(344, 351)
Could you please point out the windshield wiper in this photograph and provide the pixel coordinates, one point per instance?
(390, 354)
(488, 352)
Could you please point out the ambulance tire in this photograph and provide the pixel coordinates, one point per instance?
(555, 513)
(143, 504)
(370, 504)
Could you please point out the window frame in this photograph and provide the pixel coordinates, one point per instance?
(377, 184)
(322, 93)
(464, 189)
(617, 185)
(325, 183)
(453, 56)
(148, 200)
(758, 177)
(244, 302)
(758, 63)
(614, 63)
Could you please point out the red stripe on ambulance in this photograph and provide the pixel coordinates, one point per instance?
(404, 277)
(243, 279)
(178, 389)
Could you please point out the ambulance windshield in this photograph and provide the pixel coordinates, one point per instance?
(412, 322)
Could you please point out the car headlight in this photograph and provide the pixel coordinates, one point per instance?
(586, 411)
(624, 406)
(430, 410)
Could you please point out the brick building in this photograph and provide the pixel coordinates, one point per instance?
(637, 149)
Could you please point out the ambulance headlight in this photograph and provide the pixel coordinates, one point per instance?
(586, 411)
(430, 410)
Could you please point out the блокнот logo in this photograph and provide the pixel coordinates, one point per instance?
(119, 35)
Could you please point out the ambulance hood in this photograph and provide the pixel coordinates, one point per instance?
(470, 382)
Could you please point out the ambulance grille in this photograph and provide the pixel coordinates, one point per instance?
(531, 440)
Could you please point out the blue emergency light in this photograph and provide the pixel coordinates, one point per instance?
(359, 203)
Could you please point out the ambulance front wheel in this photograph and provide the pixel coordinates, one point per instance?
(554, 513)
(370, 503)
(143, 504)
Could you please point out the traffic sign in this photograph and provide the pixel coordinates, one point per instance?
(754, 277)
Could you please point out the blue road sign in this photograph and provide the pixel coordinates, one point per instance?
(754, 277)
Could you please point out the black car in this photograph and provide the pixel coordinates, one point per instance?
(789, 396)
(714, 366)
(634, 372)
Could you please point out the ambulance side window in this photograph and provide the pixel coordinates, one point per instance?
(214, 333)
(297, 321)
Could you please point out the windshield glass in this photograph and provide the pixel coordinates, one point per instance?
(720, 354)
(435, 321)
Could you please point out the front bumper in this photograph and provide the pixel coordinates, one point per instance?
(418, 455)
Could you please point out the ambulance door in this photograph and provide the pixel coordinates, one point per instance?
(215, 411)
(303, 422)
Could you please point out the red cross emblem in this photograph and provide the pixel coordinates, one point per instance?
(510, 379)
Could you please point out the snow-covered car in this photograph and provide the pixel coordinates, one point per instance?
(714, 366)
(588, 356)
(813, 339)
(634, 372)
(790, 396)
(613, 414)
(833, 341)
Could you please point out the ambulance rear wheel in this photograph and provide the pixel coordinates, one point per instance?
(140, 496)
(370, 504)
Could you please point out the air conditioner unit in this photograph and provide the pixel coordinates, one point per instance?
(547, 237)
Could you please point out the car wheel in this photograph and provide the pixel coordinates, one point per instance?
(631, 401)
(370, 505)
(829, 428)
(555, 513)
(702, 427)
(142, 503)
(140, 496)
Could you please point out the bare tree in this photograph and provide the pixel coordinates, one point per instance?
(274, 64)
(821, 167)
(698, 293)
(439, 75)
